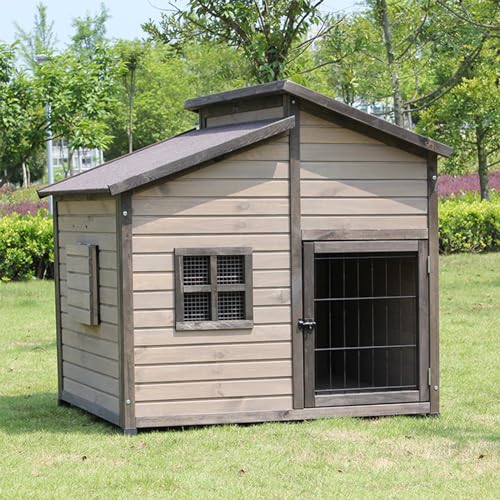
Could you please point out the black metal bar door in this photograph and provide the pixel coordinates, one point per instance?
(366, 311)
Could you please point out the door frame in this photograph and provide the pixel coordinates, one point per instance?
(421, 249)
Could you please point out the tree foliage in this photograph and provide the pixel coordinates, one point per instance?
(269, 34)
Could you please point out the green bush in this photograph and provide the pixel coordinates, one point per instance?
(26, 247)
(469, 225)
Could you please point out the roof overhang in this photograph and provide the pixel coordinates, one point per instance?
(354, 115)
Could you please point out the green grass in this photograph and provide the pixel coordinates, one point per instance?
(56, 452)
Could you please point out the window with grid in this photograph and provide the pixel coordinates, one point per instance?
(213, 288)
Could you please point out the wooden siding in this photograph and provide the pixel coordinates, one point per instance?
(90, 353)
(352, 182)
(240, 201)
(245, 116)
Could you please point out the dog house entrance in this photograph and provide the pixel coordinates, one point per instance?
(364, 346)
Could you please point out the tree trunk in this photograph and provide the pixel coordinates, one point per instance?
(391, 61)
(26, 181)
(482, 161)
(130, 125)
(69, 171)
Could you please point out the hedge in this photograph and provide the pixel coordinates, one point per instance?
(26, 247)
(469, 225)
(26, 241)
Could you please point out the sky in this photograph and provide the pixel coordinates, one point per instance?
(126, 15)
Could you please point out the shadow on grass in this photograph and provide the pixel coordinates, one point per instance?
(39, 412)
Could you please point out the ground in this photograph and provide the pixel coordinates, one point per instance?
(59, 452)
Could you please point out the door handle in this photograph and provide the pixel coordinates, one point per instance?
(307, 325)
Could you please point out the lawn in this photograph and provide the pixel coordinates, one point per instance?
(58, 452)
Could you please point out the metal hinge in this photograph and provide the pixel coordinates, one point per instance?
(429, 377)
(428, 264)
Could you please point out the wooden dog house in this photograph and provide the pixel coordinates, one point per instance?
(278, 263)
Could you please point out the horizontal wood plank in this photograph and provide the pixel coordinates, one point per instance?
(209, 225)
(105, 241)
(263, 242)
(96, 380)
(213, 389)
(107, 259)
(354, 152)
(203, 407)
(364, 222)
(245, 116)
(169, 336)
(363, 188)
(103, 331)
(155, 206)
(237, 188)
(91, 223)
(308, 119)
(96, 207)
(90, 344)
(363, 170)
(363, 206)
(91, 361)
(212, 353)
(263, 169)
(333, 135)
(276, 152)
(94, 396)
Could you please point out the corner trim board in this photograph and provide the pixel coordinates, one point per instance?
(125, 311)
(57, 287)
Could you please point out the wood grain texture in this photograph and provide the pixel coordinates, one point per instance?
(245, 116)
(354, 152)
(434, 285)
(93, 396)
(90, 361)
(408, 170)
(94, 207)
(364, 206)
(237, 188)
(285, 415)
(169, 336)
(95, 380)
(333, 135)
(206, 406)
(216, 389)
(90, 344)
(199, 205)
(243, 370)
(373, 222)
(213, 353)
(363, 188)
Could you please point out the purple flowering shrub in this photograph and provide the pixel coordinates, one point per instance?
(449, 185)
(23, 207)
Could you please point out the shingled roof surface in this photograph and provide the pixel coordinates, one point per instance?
(168, 157)
(352, 115)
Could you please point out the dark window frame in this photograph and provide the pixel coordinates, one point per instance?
(213, 288)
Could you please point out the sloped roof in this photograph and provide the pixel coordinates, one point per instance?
(168, 157)
(354, 115)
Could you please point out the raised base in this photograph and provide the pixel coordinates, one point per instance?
(284, 415)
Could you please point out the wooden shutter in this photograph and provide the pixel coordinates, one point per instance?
(83, 283)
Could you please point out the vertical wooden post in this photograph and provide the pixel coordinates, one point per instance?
(57, 287)
(433, 282)
(125, 312)
(292, 109)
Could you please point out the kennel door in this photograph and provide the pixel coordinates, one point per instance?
(366, 323)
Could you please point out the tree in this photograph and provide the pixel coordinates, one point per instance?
(40, 40)
(22, 123)
(90, 32)
(131, 55)
(468, 118)
(165, 78)
(270, 34)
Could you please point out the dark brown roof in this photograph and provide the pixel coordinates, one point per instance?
(168, 157)
(354, 115)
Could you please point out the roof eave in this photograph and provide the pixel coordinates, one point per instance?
(44, 192)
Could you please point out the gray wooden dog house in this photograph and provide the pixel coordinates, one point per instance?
(278, 263)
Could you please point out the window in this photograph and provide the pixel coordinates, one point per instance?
(213, 288)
